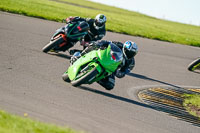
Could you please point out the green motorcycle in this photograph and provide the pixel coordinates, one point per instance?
(94, 66)
(194, 65)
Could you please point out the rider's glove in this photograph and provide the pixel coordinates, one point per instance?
(69, 19)
(84, 44)
(119, 74)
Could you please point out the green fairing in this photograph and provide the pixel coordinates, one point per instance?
(195, 67)
(105, 60)
(75, 68)
(97, 58)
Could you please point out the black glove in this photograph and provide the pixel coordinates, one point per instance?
(119, 74)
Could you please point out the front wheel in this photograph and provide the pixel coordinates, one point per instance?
(194, 65)
(65, 77)
(53, 44)
(85, 78)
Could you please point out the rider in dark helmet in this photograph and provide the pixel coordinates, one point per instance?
(129, 50)
(97, 27)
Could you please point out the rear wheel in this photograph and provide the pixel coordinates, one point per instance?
(85, 77)
(53, 44)
(194, 65)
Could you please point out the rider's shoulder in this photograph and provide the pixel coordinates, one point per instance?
(89, 20)
(119, 44)
(77, 18)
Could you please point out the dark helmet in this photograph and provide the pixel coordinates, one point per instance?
(100, 21)
(130, 49)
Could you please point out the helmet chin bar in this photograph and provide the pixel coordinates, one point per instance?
(95, 26)
(124, 53)
(98, 27)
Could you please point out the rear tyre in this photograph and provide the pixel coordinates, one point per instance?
(85, 78)
(192, 66)
(65, 77)
(52, 44)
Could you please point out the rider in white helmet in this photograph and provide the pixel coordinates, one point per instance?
(97, 27)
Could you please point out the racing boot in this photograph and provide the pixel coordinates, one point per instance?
(108, 83)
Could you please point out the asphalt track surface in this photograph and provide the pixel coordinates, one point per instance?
(30, 82)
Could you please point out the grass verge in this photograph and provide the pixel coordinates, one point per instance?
(192, 104)
(119, 20)
(15, 124)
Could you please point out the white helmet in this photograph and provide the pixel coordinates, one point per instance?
(100, 21)
(130, 49)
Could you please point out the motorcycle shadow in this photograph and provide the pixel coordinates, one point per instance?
(120, 98)
(193, 120)
(151, 79)
(65, 56)
(197, 72)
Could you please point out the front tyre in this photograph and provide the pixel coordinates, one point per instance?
(65, 77)
(53, 44)
(85, 78)
(194, 65)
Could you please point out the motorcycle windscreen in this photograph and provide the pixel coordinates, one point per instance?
(83, 27)
(110, 58)
(80, 30)
(116, 53)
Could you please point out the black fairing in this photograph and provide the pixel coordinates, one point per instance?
(58, 31)
(76, 30)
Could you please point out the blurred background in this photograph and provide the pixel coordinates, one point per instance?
(183, 11)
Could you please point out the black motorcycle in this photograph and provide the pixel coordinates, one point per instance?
(67, 36)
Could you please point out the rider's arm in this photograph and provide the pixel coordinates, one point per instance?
(125, 68)
(119, 44)
(96, 45)
(90, 47)
(98, 37)
(129, 65)
(78, 19)
(74, 19)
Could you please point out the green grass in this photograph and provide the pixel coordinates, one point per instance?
(192, 104)
(119, 20)
(15, 124)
